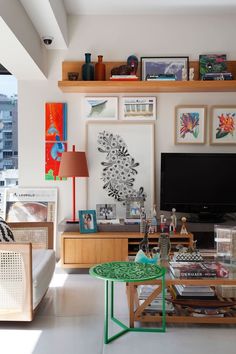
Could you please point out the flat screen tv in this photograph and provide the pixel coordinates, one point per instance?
(199, 183)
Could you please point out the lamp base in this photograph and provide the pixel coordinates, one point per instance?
(76, 221)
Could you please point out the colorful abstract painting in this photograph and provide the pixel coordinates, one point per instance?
(55, 137)
(190, 124)
(223, 125)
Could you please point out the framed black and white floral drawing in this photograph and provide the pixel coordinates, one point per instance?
(223, 125)
(190, 123)
(138, 108)
(100, 108)
(121, 163)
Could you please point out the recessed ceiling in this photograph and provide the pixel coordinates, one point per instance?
(149, 7)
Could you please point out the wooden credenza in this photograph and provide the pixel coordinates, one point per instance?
(85, 250)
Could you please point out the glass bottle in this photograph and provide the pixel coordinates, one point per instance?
(100, 69)
(88, 68)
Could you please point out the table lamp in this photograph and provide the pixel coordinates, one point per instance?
(73, 164)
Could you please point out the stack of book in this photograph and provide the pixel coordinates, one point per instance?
(180, 291)
(124, 78)
(194, 270)
(161, 77)
(156, 304)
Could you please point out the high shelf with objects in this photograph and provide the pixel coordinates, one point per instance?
(108, 86)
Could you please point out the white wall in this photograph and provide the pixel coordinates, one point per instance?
(116, 38)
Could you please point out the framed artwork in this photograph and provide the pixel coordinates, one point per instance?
(138, 108)
(31, 204)
(101, 107)
(87, 221)
(190, 124)
(55, 138)
(223, 125)
(133, 207)
(106, 211)
(121, 163)
(178, 66)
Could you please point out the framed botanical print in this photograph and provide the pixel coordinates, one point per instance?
(121, 163)
(190, 124)
(223, 125)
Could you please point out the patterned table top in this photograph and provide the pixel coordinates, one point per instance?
(127, 271)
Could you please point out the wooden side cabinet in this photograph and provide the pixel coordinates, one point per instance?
(85, 250)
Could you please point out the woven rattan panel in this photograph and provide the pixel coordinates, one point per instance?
(12, 280)
(38, 237)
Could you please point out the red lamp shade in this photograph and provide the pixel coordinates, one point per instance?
(73, 164)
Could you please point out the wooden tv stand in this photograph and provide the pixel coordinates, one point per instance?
(85, 250)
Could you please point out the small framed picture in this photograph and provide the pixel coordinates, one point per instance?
(87, 221)
(106, 211)
(154, 66)
(190, 124)
(223, 125)
(138, 108)
(133, 207)
(101, 107)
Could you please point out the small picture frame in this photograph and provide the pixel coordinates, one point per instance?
(179, 66)
(133, 207)
(190, 124)
(97, 108)
(87, 221)
(223, 125)
(138, 108)
(106, 211)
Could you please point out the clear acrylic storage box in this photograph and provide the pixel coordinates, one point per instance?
(225, 238)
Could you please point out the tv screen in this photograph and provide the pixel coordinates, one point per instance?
(198, 183)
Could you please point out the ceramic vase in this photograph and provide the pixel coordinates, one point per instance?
(87, 68)
(100, 69)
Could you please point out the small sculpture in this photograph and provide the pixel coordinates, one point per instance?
(162, 222)
(174, 219)
(129, 69)
(165, 246)
(144, 244)
(184, 74)
(153, 226)
(183, 230)
(191, 74)
(143, 219)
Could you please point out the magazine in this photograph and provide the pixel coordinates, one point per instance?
(198, 270)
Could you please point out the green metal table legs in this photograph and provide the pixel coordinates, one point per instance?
(109, 286)
(106, 322)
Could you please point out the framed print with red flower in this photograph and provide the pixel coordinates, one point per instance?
(223, 125)
(190, 124)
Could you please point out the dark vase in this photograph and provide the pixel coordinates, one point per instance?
(88, 68)
(100, 69)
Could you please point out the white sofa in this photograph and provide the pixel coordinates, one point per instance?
(26, 269)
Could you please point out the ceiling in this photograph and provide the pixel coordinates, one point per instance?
(42, 12)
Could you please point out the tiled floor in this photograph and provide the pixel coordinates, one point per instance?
(70, 321)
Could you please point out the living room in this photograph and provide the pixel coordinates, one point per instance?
(115, 34)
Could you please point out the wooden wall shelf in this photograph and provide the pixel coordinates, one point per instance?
(143, 86)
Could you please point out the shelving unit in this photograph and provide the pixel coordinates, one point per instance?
(143, 86)
(84, 250)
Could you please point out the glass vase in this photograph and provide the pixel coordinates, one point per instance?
(87, 68)
(100, 69)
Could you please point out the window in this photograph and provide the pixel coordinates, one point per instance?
(8, 129)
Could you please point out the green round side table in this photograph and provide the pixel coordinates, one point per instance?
(127, 272)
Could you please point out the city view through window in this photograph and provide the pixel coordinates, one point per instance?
(8, 131)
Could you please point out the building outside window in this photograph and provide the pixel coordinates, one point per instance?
(8, 130)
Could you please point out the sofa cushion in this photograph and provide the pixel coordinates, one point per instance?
(43, 265)
(6, 234)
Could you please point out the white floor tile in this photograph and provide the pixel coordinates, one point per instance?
(70, 321)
